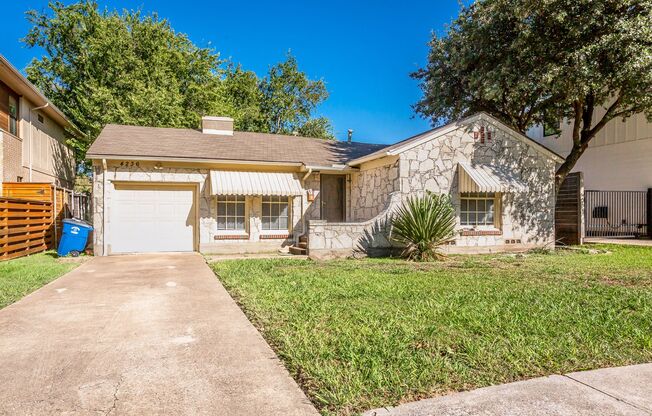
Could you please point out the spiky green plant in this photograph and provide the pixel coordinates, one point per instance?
(423, 225)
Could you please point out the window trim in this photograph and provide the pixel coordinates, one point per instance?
(497, 212)
(11, 117)
(276, 231)
(232, 232)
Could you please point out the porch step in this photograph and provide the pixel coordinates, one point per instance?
(303, 238)
(298, 251)
(302, 244)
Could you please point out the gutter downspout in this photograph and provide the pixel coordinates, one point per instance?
(31, 142)
(104, 219)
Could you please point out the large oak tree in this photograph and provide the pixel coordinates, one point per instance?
(531, 61)
(106, 66)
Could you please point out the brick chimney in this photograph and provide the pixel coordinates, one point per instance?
(217, 125)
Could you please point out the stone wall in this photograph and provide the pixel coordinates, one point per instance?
(312, 208)
(140, 172)
(527, 217)
(364, 238)
(371, 187)
(256, 240)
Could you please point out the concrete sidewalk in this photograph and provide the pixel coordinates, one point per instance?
(621, 391)
(139, 335)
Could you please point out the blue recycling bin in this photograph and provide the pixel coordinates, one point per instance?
(74, 237)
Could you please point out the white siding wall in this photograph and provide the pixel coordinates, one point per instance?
(618, 158)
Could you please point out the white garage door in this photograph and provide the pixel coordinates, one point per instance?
(151, 219)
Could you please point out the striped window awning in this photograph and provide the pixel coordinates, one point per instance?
(484, 178)
(254, 183)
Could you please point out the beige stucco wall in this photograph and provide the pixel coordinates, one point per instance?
(144, 172)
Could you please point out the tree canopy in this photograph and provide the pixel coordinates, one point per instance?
(533, 61)
(105, 66)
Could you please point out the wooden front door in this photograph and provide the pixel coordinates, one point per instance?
(332, 197)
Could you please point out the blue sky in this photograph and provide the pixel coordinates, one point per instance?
(364, 50)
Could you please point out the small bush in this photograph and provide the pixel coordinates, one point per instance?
(423, 225)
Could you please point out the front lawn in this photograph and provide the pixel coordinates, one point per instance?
(360, 334)
(24, 275)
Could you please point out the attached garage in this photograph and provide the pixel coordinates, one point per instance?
(152, 218)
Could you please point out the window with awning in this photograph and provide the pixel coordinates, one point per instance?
(488, 179)
(254, 183)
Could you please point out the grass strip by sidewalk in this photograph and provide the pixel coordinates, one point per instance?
(360, 334)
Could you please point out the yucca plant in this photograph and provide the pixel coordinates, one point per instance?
(423, 225)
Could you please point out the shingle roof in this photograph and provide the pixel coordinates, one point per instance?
(156, 142)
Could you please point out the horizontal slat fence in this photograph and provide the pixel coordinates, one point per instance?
(41, 191)
(26, 227)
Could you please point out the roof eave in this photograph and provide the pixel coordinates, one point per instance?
(35, 95)
(100, 156)
(331, 168)
(367, 158)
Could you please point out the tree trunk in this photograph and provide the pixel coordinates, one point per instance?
(568, 165)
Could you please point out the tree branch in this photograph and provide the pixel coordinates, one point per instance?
(608, 116)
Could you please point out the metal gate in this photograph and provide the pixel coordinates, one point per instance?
(616, 213)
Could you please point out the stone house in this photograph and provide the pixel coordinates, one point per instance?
(216, 190)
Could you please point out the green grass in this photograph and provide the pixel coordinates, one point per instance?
(360, 334)
(24, 275)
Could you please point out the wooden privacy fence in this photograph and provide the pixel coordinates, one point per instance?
(26, 227)
(66, 203)
(568, 211)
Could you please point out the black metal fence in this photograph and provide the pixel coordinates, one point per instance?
(616, 213)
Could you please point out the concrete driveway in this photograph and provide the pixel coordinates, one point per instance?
(145, 334)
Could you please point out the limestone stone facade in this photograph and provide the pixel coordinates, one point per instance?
(526, 218)
(375, 188)
(210, 241)
(371, 188)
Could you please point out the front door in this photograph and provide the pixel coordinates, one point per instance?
(332, 197)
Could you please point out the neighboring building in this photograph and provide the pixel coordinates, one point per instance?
(32, 133)
(217, 190)
(618, 158)
(616, 171)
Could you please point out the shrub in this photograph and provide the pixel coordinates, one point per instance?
(423, 225)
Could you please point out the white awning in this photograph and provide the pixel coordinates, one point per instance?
(254, 183)
(484, 178)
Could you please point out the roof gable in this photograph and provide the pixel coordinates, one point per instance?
(421, 138)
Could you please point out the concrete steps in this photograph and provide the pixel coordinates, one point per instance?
(300, 248)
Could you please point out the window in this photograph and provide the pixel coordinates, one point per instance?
(478, 209)
(275, 213)
(39, 118)
(231, 212)
(13, 116)
(551, 127)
